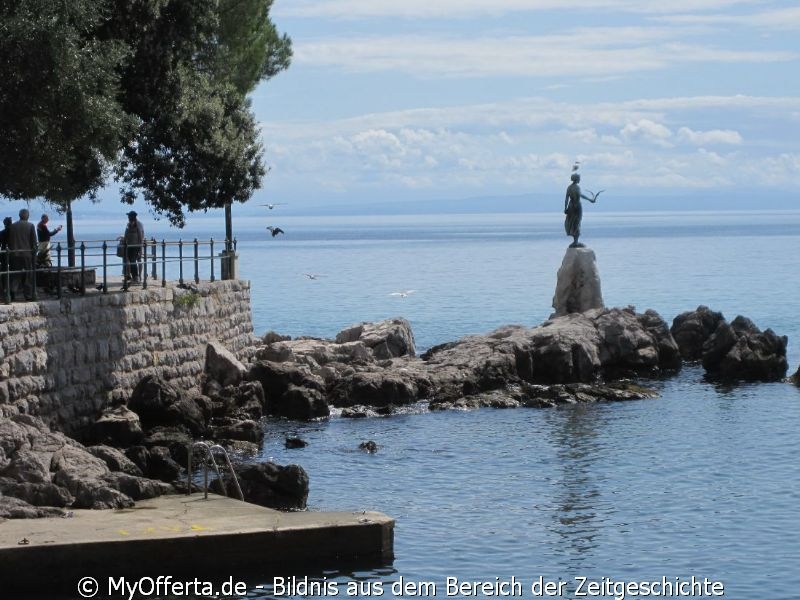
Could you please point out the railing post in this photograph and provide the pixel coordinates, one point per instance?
(196, 261)
(212, 259)
(104, 289)
(154, 272)
(83, 268)
(33, 274)
(180, 262)
(126, 267)
(163, 262)
(143, 269)
(7, 277)
(59, 293)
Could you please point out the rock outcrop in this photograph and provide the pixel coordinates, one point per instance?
(43, 468)
(578, 283)
(692, 328)
(271, 485)
(303, 378)
(730, 351)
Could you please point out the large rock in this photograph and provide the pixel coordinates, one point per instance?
(391, 338)
(15, 508)
(271, 485)
(741, 351)
(578, 283)
(37, 494)
(383, 388)
(247, 431)
(222, 365)
(692, 328)
(291, 390)
(578, 347)
(159, 402)
(118, 426)
(115, 460)
(244, 401)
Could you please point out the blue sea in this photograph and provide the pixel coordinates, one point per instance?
(702, 482)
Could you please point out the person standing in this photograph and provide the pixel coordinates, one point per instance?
(134, 242)
(22, 245)
(43, 259)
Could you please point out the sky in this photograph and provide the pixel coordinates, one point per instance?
(420, 101)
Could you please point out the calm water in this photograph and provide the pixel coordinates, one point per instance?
(704, 481)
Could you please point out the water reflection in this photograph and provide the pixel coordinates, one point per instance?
(578, 493)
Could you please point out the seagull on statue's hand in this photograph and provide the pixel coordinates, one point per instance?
(274, 230)
(403, 294)
(594, 196)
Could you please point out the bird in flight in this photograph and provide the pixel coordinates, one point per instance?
(403, 294)
(273, 205)
(274, 230)
(313, 275)
(576, 166)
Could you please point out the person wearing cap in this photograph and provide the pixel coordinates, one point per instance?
(44, 234)
(134, 242)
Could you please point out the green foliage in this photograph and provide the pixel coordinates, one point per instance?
(187, 300)
(61, 123)
(200, 152)
(251, 49)
(155, 88)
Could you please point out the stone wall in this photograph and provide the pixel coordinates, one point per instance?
(63, 360)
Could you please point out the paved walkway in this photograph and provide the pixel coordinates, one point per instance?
(185, 535)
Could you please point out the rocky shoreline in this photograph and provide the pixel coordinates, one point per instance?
(138, 449)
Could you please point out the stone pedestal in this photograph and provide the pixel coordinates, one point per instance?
(578, 286)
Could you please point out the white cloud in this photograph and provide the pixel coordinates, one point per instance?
(531, 143)
(714, 136)
(645, 129)
(450, 9)
(596, 52)
(779, 19)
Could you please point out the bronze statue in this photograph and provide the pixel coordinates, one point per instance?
(574, 210)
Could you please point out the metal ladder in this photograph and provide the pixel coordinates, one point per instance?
(208, 457)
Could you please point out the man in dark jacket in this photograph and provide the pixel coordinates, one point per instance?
(22, 245)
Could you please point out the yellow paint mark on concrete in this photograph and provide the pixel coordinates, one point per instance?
(150, 530)
(173, 529)
(123, 532)
(196, 527)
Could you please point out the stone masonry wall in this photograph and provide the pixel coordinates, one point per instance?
(63, 360)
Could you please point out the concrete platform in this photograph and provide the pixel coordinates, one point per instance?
(185, 535)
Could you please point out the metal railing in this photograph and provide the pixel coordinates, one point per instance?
(208, 457)
(183, 261)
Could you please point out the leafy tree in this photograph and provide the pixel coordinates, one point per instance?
(61, 123)
(251, 49)
(197, 145)
(155, 88)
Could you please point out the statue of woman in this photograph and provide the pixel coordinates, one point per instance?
(574, 210)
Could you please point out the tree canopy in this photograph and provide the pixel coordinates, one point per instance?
(154, 90)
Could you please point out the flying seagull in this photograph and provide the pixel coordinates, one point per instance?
(273, 205)
(403, 294)
(313, 275)
(274, 230)
(594, 196)
(576, 166)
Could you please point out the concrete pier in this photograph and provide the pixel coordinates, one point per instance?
(184, 536)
